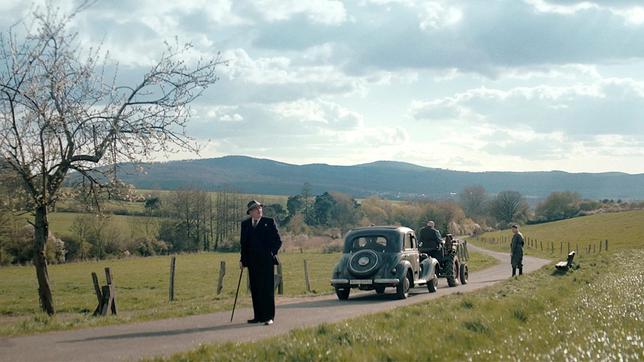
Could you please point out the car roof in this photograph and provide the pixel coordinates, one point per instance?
(381, 228)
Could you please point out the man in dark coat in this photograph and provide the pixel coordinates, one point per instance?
(516, 249)
(260, 241)
(431, 241)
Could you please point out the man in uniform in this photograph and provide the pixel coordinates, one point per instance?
(260, 241)
(516, 249)
(431, 241)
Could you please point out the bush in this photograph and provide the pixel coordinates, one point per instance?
(228, 246)
(150, 246)
(334, 246)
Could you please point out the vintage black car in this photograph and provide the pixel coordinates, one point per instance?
(377, 257)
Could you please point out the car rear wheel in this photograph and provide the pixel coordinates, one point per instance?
(464, 274)
(402, 289)
(432, 285)
(342, 293)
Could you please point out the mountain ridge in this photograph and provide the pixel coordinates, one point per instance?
(389, 179)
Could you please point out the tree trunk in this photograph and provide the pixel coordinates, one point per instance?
(41, 234)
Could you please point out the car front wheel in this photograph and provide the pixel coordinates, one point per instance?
(342, 293)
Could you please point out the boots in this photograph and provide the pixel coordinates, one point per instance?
(514, 271)
(520, 269)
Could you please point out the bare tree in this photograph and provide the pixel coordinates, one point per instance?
(509, 206)
(60, 112)
(473, 199)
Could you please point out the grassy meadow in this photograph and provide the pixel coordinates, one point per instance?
(592, 312)
(623, 230)
(142, 288)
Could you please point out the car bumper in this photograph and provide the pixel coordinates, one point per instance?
(345, 282)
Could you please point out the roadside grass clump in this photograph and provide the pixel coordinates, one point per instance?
(594, 312)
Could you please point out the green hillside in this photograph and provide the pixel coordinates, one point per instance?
(623, 230)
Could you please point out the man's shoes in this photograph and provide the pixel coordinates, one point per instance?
(268, 322)
(254, 320)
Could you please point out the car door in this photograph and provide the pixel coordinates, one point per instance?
(411, 253)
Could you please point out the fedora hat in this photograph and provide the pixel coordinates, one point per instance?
(251, 205)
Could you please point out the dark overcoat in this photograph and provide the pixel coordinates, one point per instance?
(516, 249)
(259, 248)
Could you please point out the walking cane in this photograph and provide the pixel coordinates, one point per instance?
(237, 293)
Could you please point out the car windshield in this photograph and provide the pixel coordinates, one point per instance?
(372, 242)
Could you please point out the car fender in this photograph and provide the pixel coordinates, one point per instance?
(428, 267)
(341, 268)
(401, 268)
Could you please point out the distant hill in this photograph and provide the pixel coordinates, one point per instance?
(388, 179)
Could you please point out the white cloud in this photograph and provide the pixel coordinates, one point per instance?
(612, 106)
(329, 12)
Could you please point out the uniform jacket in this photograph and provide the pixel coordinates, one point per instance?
(516, 248)
(262, 241)
(430, 237)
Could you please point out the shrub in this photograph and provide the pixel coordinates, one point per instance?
(333, 247)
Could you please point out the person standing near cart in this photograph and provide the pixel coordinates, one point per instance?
(516, 249)
(260, 241)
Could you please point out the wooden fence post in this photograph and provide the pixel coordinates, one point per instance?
(109, 294)
(280, 286)
(606, 246)
(306, 276)
(220, 280)
(173, 263)
(560, 247)
(99, 294)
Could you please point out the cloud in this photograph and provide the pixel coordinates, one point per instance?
(612, 106)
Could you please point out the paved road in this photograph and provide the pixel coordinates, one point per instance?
(131, 342)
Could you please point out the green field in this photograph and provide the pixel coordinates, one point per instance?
(623, 230)
(593, 312)
(142, 288)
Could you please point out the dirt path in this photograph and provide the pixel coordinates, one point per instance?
(164, 337)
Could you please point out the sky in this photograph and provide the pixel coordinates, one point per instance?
(481, 85)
